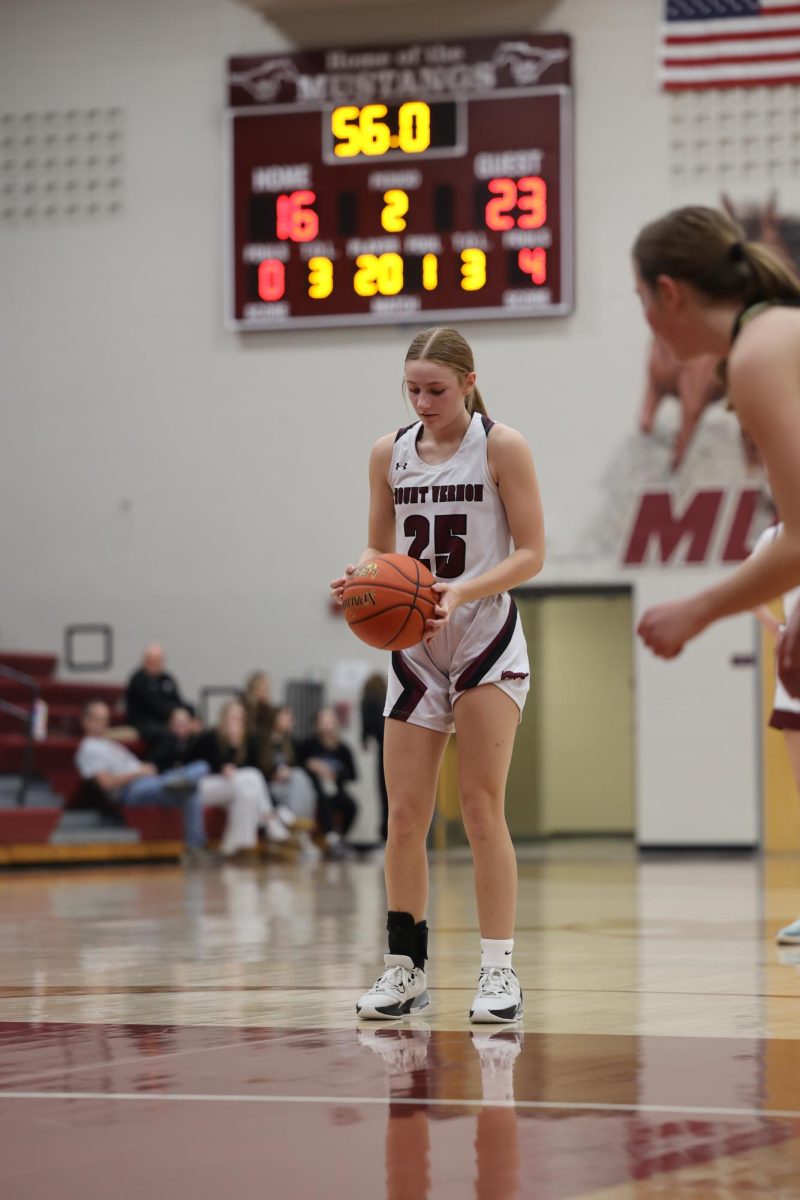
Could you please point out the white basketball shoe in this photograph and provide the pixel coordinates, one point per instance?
(400, 991)
(499, 997)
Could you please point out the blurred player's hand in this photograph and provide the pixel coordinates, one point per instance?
(667, 628)
(338, 585)
(789, 655)
(449, 599)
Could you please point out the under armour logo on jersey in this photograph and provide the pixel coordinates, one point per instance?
(401, 466)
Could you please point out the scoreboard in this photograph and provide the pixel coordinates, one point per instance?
(420, 183)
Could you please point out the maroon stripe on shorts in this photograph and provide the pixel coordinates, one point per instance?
(480, 666)
(413, 688)
(782, 718)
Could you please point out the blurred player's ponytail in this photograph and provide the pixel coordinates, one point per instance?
(706, 248)
(448, 347)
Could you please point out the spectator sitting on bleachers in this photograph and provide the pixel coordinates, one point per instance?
(237, 783)
(152, 695)
(329, 763)
(257, 700)
(129, 781)
(175, 746)
(288, 783)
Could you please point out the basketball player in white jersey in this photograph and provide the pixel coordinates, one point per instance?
(706, 290)
(457, 492)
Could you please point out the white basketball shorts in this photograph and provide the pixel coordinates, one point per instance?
(482, 643)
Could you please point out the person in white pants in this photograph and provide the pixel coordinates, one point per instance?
(237, 783)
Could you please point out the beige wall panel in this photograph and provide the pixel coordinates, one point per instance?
(586, 729)
(572, 770)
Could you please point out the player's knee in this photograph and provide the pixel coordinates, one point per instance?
(406, 824)
(482, 814)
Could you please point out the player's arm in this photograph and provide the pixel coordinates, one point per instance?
(766, 395)
(380, 528)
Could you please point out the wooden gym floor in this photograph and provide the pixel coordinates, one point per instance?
(174, 1033)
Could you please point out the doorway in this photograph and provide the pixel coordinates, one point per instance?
(573, 767)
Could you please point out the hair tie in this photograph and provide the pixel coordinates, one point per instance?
(736, 252)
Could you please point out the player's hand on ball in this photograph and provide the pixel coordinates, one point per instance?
(449, 599)
(338, 585)
(667, 628)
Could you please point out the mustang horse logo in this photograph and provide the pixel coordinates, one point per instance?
(527, 63)
(264, 81)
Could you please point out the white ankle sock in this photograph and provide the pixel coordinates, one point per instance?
(496, 953)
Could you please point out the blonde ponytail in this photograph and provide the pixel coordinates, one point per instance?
(474, 403)
(771, 278)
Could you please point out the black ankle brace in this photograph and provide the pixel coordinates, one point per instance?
(408, 937)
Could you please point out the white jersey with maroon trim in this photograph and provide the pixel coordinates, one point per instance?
(450, 516)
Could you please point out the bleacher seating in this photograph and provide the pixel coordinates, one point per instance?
(54, 825)
(53, 758)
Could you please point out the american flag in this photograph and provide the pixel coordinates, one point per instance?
(729, 43)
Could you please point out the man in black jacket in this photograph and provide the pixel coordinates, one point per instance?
(152, 695)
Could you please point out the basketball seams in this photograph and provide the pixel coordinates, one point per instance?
(387, 561)
(399, 632)
(405, 598)
(375, 616)
(378, 585)
(394, 638)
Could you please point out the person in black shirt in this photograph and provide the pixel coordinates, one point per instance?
(329, 763)
(152, 695)
(175, 747)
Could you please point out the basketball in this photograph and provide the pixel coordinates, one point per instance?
(387, 601)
